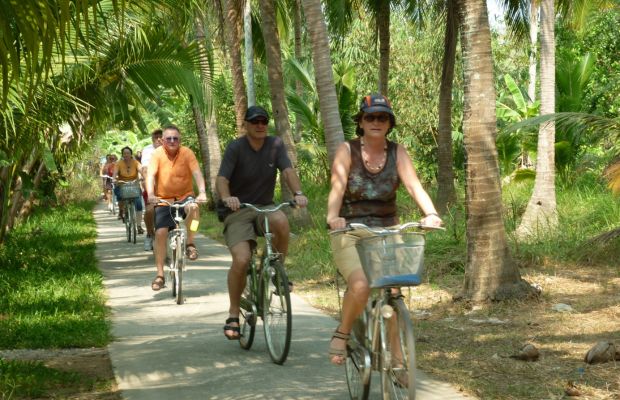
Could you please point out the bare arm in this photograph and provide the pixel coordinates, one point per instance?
(222, 185)
(409, 177)
(293, 182)
(339, 177)
(200, 182)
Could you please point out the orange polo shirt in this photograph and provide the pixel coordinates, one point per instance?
(173, 176)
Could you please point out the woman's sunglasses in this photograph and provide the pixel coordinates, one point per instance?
(378, 117)
(259, 121)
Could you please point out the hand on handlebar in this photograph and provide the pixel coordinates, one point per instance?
(232, 202)
(201, 198)
(432, 220)
(337, 223)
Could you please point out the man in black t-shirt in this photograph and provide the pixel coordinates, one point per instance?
(248, 175)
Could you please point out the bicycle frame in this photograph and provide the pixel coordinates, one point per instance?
(175, 249)
(267, 295)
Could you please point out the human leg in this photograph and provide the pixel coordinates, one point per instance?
(139, 207)
(278, 223)
(192, 214)
(163, 223)
(241, 253)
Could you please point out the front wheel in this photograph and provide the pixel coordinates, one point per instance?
(176, 272)
(133, 228)
(398, 358)
(358, 363)
(276, 307)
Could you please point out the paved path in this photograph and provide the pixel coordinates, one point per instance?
(167, 351)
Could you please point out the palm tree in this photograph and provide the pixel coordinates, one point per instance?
(541, 211)
(490, 273)
(233, 40)
(276, 83)
(328, 101)
(249, 51)
(446, 193)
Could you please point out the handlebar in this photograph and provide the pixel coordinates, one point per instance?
(264, 210)
(178, 204)
(386, 231)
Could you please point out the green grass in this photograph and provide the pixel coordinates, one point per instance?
(51, 292)
(31, 379)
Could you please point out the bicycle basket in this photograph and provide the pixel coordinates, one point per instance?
(130, 190)
(392, 260)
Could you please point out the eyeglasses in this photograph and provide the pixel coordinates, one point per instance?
(378, 117)
(172, 139)
(259, 121)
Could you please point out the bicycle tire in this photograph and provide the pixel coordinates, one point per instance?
(358, 363)
(172, 260)
(248, 313)
(127, 222)
(177, 270)
(132, 222)
(398, 378)
(276, 310)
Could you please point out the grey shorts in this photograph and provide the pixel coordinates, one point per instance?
(243, 225)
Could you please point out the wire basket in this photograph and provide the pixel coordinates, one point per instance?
(130, 190)
(392, 260)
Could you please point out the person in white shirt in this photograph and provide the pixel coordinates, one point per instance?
(149, 214)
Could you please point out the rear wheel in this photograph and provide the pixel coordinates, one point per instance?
(249, 312)
(398, 358)
(276, 306)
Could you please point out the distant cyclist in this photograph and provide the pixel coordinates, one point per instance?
(149, 213)
(108, 170)
(170, 173)
(127, 170)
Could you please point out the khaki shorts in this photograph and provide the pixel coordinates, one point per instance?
(242, 226)
(345, 254)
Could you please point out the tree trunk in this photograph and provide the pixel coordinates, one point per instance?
(276, 84)
(249, 52)
(383, 28)
(298, 85)
(446, 194)
(328, 101)
(209, 146)
(490, 272)
(531, 87)
(541, 213)
(26, 208)
(234, 40)
(219, 12)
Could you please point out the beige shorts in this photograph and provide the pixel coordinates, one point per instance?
(345, 254)
(242, 225)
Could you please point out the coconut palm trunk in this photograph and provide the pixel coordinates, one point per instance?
(446, 194)
(490, 272)
(249, 52)
(231, 28)
(541, 212)
(328, 101)
(383, 28)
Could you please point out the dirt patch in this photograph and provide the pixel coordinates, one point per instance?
(93, 363)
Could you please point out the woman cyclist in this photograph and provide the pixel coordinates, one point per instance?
(127, 170)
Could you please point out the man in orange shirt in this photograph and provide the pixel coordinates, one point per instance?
(170, 173)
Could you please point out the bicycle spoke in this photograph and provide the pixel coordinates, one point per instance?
(277, 317)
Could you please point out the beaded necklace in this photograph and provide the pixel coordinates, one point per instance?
(367, 163)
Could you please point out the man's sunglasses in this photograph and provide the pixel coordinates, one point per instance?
(259, 121)
(378, 117)
(171, 139)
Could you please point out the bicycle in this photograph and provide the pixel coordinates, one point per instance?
(175, 254)
(111, 197)
(382, 338)
(267, 295)
(129, 192)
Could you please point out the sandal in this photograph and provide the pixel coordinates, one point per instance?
(337, 352)
(191, 252)
(235, 329)
(140, 230)
(158, 283)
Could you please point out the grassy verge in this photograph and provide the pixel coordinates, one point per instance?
(51, 295)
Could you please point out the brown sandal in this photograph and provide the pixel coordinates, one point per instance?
(191, 252)
(158, 283)
(336, 352)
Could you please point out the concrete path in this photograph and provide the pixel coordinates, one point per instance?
(167, 351)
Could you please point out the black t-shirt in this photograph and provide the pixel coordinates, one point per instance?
(252, 174)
